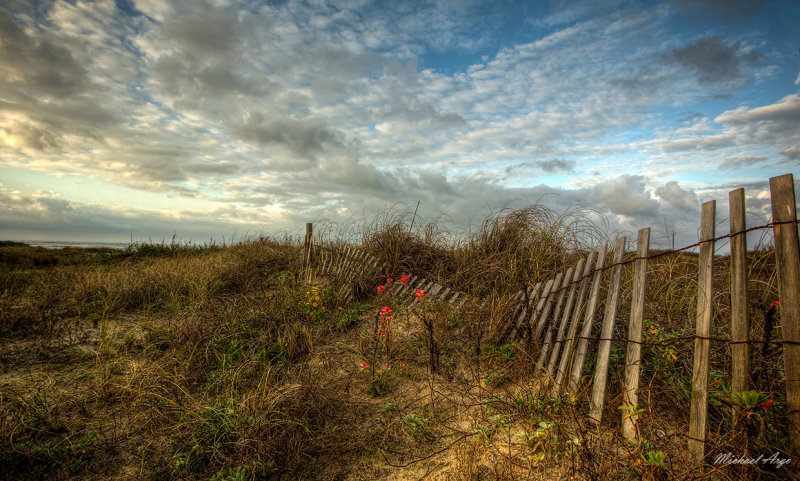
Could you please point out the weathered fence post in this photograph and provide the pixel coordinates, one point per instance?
(569, 338)
(604, 345)
(307, 249)
(583, 341)
(551, 293)
(565, 317)
(740, 323)
(787, 253)
(549, 336)
(705, 294)
(634, 354)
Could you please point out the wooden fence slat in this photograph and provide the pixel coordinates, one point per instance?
(549, 335)
(422, 285)
(604, 345)
(412, 287)
(740, 323)
(307, 245)
(340, 252)
(633, 355)
(787, 258)
(698, 411)
(576, 275)
(583, 341)
(508, 323)
(521, 326)
(452, 299)
(569, 337)
(546, 298)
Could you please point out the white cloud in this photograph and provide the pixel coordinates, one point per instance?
(311, 108)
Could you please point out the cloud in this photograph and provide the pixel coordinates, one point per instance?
(725, 11)
(785, 110)
(681, 199)
(792, 153)
(626, 195)
(716, 63)
(309, 109)
(736, 162)
(547, 166)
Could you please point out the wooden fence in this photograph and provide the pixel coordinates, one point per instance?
(559, 314)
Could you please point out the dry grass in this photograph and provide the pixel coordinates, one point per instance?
(166, 362)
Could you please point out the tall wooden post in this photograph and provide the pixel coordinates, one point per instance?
(698, 412)
(787, 253)
(740, 323)
(633, 356)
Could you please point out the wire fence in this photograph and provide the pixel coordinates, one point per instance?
(558, 315)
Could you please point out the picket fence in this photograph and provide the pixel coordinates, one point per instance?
(558, 314)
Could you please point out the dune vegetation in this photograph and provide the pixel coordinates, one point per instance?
(175, 361)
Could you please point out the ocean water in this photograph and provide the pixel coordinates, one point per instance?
(62, 244)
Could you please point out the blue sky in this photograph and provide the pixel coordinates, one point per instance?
(205, 119)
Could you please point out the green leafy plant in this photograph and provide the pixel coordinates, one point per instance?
(655, 458)
(418, 427)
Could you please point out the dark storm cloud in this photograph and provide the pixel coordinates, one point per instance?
(714, 62)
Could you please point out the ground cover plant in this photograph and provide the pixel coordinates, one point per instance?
(173, 361)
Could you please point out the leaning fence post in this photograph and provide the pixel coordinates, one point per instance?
(702, 344)
(604, 345)
(569, 337)
(583, 340)
(551, 294)
(633, 356)
(740, 323)
(549, 336)
(307, 248)
(565, 317)
(787, 253)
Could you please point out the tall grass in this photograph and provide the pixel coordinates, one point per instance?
(201, 362)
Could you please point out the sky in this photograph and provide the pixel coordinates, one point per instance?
(145, 119)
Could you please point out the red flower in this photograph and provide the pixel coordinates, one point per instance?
(404, 280)
(776, 303)
(421, 295)
(767, 404)
(386, 312)
(381, 291)
(389, 281)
